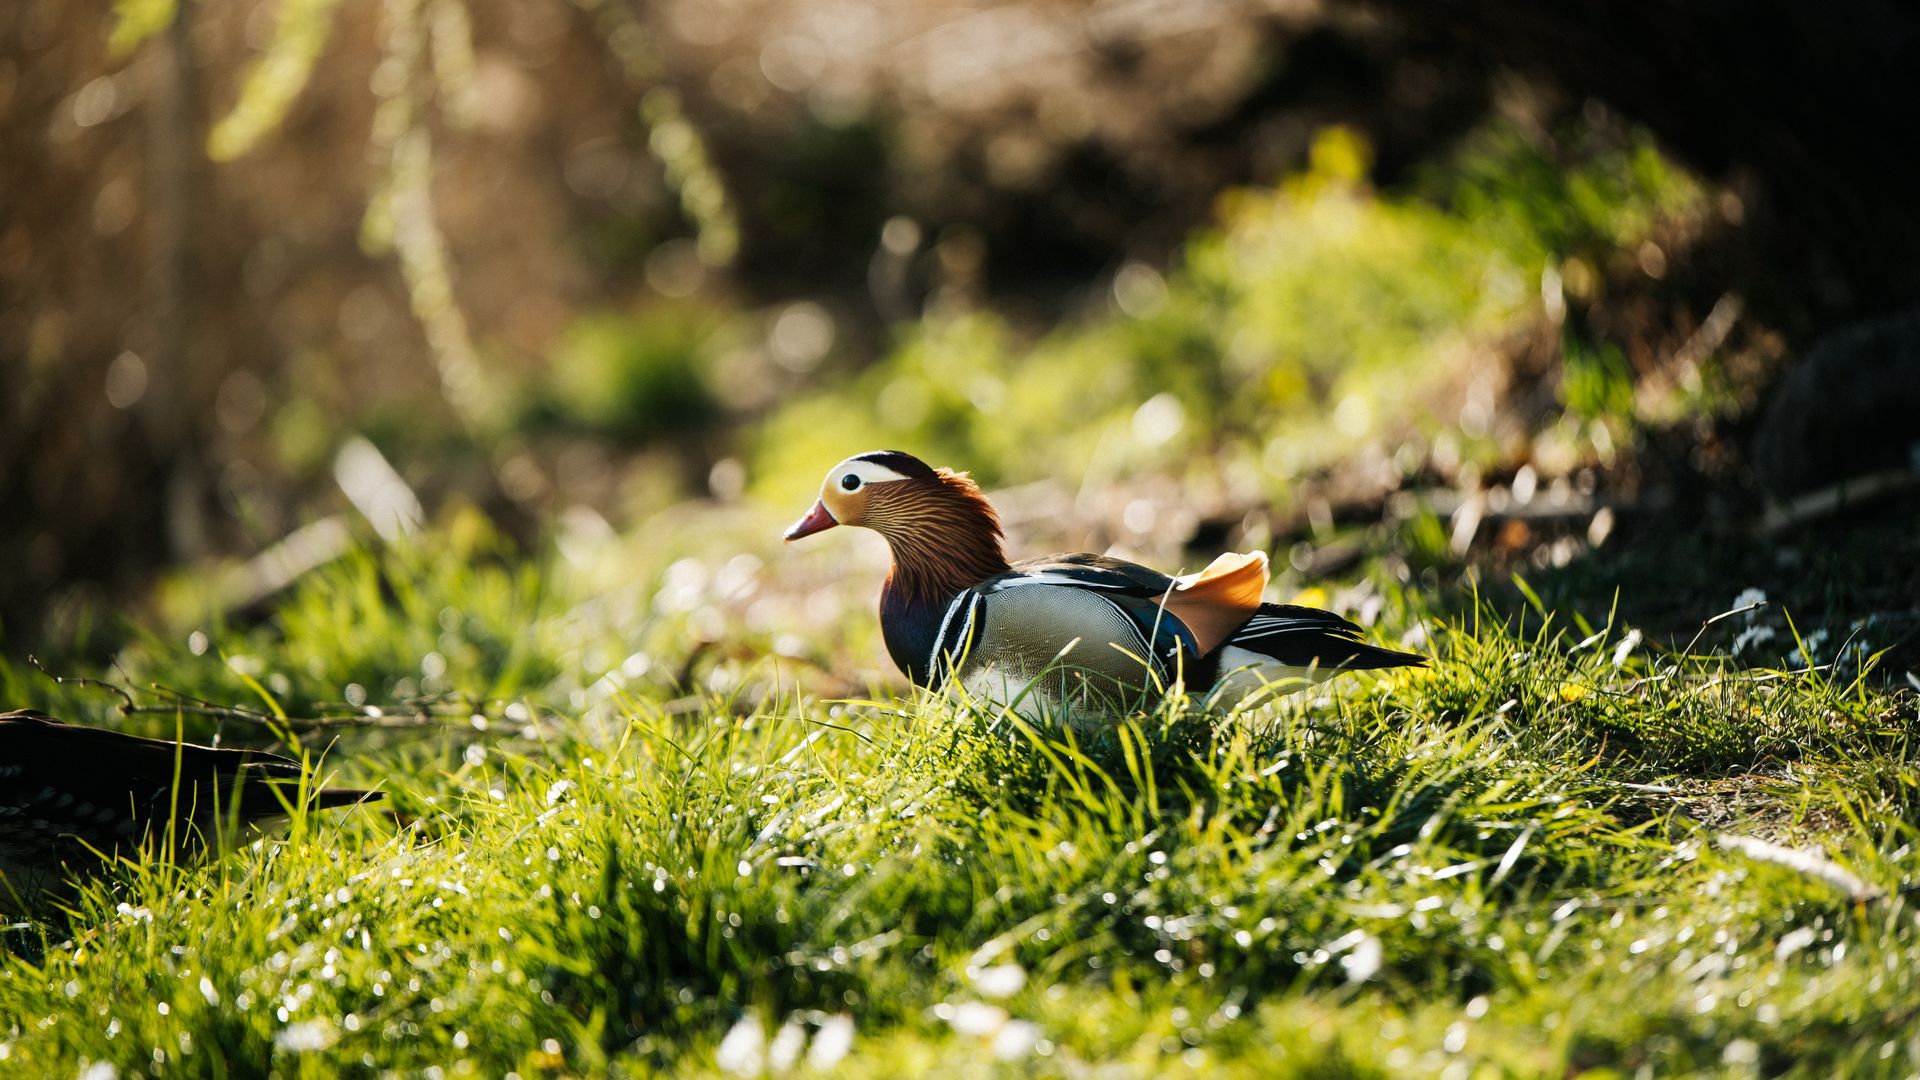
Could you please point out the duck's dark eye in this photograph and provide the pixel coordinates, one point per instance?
(849, 482)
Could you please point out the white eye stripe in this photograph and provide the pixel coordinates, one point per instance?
(867, 472)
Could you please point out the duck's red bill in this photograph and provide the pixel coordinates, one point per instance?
(817, 520)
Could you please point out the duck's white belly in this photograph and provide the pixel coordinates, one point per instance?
(1245, 674)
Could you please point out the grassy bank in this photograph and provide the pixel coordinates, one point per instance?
(1558, 851)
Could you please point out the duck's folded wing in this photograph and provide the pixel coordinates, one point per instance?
(1091, 604)
(1086, 571)
(1211, 604)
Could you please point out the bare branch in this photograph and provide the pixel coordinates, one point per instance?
(81, 680)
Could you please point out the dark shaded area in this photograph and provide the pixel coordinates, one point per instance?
(76, 796)
(1849, 579)
(1815, 103)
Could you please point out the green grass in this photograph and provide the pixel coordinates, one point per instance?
(1510, 864)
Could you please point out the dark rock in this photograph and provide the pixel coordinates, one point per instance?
(1851, 407)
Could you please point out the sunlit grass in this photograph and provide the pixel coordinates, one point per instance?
(1508, 862)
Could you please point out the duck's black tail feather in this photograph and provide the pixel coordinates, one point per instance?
(1302, 637)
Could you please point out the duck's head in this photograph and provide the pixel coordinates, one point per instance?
(943, 533)
(868, 489)
(895, 493)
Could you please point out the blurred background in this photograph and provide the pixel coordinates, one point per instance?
(1617, 298)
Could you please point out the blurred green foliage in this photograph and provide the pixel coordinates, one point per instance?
(634, 377)
(1597, 381)
(1586, 193)
(686, 162)
(1315, 318)
(135, 21)
(276, 78)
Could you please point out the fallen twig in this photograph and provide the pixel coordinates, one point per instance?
(431, 711)
(1828, 501)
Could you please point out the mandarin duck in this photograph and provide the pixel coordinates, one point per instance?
(1068, 629)
(70, 795)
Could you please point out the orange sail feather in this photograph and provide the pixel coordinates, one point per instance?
(1220, 599)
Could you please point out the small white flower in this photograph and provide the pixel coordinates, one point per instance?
(1751, 639)
(784, 1051)
(1016, 1040)
(998, 981)
(831, 1043)
(1793, 941)
(973, 1017)
(744, 1050)
(1626, 647)
(1363, 961)
(305, 1036)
